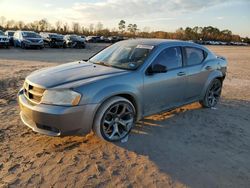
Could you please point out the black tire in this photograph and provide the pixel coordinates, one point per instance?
(23, 45)
(212, 95)
(119, 130)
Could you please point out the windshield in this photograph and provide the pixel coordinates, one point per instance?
(73, 37)
(123, 56)
(1, 33)
(30, 35)
(55, 36)
(11, 33)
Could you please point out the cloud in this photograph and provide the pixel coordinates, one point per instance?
(141, 9)
(47, 5)
(220, 18)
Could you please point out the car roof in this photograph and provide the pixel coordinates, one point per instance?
(155, 42)
(26, 31)
(159, 42)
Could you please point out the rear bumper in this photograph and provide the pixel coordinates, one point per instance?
(57, 120)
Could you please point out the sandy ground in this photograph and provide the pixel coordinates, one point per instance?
(187, 147)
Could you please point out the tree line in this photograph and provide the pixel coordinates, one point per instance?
(208, 33)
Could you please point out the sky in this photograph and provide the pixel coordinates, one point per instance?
(153, 15)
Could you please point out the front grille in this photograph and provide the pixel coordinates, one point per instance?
(33, 93)
(34, 40)
(3, 39)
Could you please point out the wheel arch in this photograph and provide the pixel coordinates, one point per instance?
(214, 75)
(130, 97)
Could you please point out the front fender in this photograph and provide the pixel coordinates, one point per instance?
(121, 89)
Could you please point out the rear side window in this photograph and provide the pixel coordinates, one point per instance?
(170, 57)
(194, 55)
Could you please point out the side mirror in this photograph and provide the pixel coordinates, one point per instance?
(157, 68)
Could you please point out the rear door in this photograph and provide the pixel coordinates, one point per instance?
(165, 90)
(196, 73)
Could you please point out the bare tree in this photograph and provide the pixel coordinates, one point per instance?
(58, 25)
(2, 21)
(91, 28)
(20, 24)
(10, 24)
(65, 28)
(99, 27)
(76, 27)
(43, 25)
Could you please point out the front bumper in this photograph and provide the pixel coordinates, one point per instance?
(5, 44)
(57, 120)
(33, 45)
(57, 43)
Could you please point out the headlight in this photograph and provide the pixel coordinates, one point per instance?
(41, 41)
(64, 97)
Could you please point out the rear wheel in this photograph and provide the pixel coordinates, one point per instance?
(213, 94)
(115, 119)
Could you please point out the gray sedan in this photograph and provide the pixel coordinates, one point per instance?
(120, 85)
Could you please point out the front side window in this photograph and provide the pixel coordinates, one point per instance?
(170, 57)
(123, 56)
(194, 56)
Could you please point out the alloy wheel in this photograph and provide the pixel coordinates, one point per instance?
(214, 93)
(117, 121)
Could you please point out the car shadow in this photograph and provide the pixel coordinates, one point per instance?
(199, 147)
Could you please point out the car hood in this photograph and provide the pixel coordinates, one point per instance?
(33, 39)
(70, 72)
(4, 37)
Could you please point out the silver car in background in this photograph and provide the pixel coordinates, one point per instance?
(120, 85)
(28, 39)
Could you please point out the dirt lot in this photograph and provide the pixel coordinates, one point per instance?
(188, 147)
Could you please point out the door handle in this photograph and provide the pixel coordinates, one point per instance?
(208, 67)
(181, 73)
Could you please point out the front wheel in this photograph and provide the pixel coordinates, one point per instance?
(114, 119)
(213, 94)
(23, 46)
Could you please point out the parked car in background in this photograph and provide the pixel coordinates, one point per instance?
(83, 37)
(28, 39)
(4, 40)
(52, 40)
(93, 39)
(74, 41)
(120, 85)
(104, 39)
(10, 34)
(114, 39)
